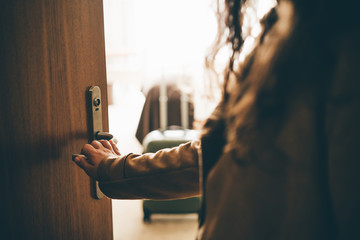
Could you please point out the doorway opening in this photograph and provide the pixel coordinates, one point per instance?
(148, 42)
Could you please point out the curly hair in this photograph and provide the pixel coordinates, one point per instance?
(230, 21)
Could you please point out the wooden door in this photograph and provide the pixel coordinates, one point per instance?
(51, 51)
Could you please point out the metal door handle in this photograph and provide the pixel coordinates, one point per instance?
(103, 135)
(95, 114)
(96, 132)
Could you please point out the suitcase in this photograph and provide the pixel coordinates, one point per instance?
(167, 137)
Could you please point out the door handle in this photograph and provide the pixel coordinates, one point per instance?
(96, 126)
(96, 130)
(103, 135)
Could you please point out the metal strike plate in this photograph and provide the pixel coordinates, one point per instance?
(94, 103)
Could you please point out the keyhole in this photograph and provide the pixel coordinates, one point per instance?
(97, 102)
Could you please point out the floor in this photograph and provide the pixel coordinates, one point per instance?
(127, 214)
(128, 224)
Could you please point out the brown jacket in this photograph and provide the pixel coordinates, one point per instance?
(295, 172)
(167, 174)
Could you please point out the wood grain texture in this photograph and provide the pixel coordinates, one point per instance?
(50, 53)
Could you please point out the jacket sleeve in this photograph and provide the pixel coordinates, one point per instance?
(167, 174)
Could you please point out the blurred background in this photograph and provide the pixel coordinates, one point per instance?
(149, 42)
(152, 41)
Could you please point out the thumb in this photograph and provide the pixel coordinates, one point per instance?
(85, 165)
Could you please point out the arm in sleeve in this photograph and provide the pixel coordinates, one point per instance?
(167, 174)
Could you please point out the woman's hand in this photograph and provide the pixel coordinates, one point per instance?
(95, 153)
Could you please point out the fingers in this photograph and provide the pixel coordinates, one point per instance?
(115, 148)
(96, 144)
(85, 165)
(106, 144)
(94, 153)
(111, 146)
(87, 148)
(90, 150)
(99, 144)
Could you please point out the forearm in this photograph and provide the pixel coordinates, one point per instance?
(166, 174)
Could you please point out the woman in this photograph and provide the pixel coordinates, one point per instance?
(280, 154)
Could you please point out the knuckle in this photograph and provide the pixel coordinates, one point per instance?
(86, 146)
